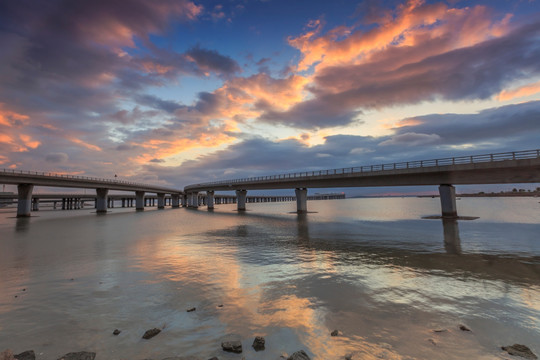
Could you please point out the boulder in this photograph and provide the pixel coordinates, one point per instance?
(520, 350)
(191, 309)
(336, 333)
(27, 355)
(299, 355)
(81, 355)
(258, 343)
(232, 346)
(464, 328)
(151, 333)
(116, 332)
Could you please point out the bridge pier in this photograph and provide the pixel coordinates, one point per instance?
(210, 199)
(35, 204)
(160, 200)
(241, 200)
(139, 200)
(301, 200)
(24, 199)
(175, 198)
(101, 201)
(448, 200)
(193, 200)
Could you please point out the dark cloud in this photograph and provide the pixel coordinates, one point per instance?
(157, 160)
(211, 60)
(56, 157)
(157, 103)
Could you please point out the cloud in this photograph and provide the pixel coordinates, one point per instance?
(211, 60)
(412, 139)
(57, 157)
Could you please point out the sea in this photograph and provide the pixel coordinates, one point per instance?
(394, 284)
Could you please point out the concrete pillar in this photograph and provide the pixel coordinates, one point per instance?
(24, 199)
(175, 198)
(452, 242)
(448, 200)
(54, 205)
(35, 204)
(63, 203)
(139, 200)
(241, 200)
(123, 202)
(210, 199)
(301, 200)
(161, 201)
(101, 201)
(193, 200)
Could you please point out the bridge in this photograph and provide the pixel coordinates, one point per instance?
(497, 168)
(26, 180)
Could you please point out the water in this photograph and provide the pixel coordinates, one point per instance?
(371, 268)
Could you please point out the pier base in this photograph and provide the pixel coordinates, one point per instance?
(301, 200)
(24, 199)
(139, 200)
(448, 201)
(241, 200)
(175, 200)
(101, 201)
(161, 201)
(210, 199)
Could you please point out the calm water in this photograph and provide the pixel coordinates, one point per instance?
(371, 268)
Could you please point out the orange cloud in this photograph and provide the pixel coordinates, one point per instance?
(9, 118)
(523, 91)
(86, 145)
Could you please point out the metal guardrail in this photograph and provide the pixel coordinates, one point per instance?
(473, 159)
(49, 175)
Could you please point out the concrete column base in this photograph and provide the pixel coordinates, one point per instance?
(241, 196)
(210, 199)
(448, 200)
(24, 199)
(139, 200)
(161, 201)
(301, 200)
(101, 201)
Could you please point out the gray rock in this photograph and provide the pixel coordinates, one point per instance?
(336, 333)
(27, 355)
(520, 350)
(299, 355)
(116, 332)
(151, 333)
(232, 346)
(258, 343)
(214, 358)
(464, 328)
(191, 309)
(82, 355)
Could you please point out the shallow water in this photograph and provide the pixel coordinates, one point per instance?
(372, 268)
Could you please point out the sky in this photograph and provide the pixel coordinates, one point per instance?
(176, 92)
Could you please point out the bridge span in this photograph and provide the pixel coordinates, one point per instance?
(497, 168)
(26, 180)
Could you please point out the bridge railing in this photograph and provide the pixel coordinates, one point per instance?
(459, 160)
(50, 175)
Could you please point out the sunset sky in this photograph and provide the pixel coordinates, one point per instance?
(179, 92)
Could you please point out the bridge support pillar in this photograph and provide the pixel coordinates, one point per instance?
(193, 200)
(24, 199)
(448, 200)
(175, 200)
(161, 201)
(101, 201)
(139, 200)
(35, 204)
(241, 196)
(210, 199)
(301, 200)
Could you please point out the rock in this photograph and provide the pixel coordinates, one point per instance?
(191, 309)
(82, 355)
(336, 333)
(299, 355)
(220, 305)
(439, 330)
(214, 358)
(464, 328)
(27, 355)
(432, 341)
(151, 333)
(520, 350)
(258, 343)
(232, 346)
(116, 332)
(7, 355)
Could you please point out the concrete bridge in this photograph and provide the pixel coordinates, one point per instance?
(26, 181)
(498, 168)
